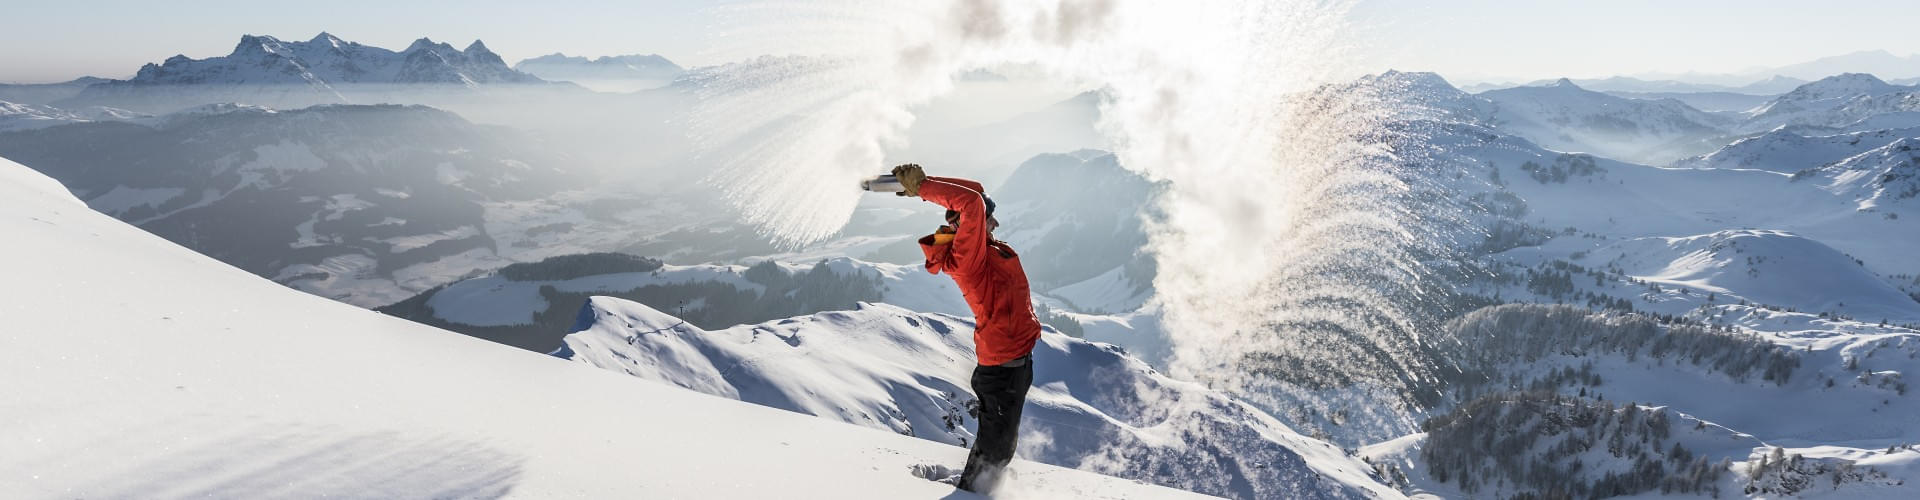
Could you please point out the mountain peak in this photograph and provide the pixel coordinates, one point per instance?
(425, 43)
(1854, 77)
(1841, 85)
(1870, 52)
(325, 38)
(1416, 79)
(326, 60)
(252, 44)
(1563, 82)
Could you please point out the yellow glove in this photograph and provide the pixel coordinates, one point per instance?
(910, 177)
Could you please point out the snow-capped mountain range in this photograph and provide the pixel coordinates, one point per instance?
(1783, 252)
(327, 60)
(267, 71)
(1565, 117)
(1560, 116)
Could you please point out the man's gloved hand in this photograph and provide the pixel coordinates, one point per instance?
(910, 177)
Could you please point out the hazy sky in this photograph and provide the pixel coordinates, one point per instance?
(1476, 39)
(1466, 40)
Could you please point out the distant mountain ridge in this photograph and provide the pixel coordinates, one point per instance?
(328, 60)
(335, 200)
(1881, 63)
(22, 116)
(265, 70)
(559, 66)
(1565, 117)
(1775, 84)
(1902, 70)
(1835, 101)
(45, 93)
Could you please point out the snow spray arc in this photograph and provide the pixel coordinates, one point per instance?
(1285, 258)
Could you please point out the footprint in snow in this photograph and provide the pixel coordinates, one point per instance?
(936, 473)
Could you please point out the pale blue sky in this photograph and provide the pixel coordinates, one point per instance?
(1528, 39)
(52, 40)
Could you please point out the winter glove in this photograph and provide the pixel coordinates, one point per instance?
(910, 177)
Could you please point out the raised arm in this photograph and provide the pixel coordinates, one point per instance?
(970, 236)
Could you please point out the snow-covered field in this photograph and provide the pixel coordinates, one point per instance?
(134, 368)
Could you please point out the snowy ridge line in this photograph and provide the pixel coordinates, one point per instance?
(881, 366)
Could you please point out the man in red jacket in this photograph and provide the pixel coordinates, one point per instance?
(995, 286)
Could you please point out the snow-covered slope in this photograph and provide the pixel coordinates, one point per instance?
(1786, 150)
(16, 116)
(1611, 199)
(1883, 121)
(1833, 102)
(1766, 267)
(1091, 407)
(1885, 179)
(1572, 444)
(136, 368)
(1727, 382)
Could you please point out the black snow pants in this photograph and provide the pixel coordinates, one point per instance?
(1002, 390)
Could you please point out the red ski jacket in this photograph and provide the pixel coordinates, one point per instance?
(987, 270)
